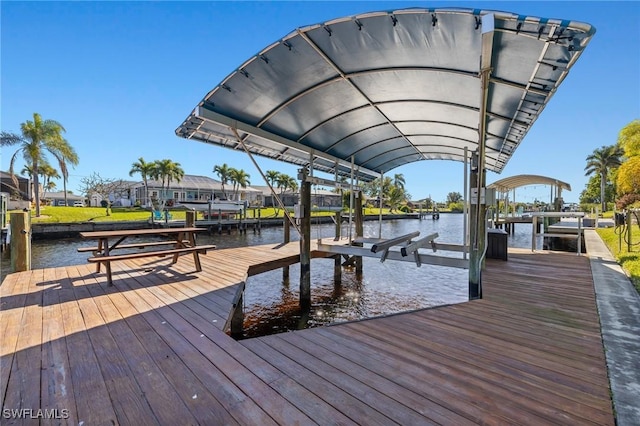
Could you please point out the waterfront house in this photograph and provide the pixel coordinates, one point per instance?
(319, 197)
(121, 194)
(20, 196)
(191, 188)
(57, 198)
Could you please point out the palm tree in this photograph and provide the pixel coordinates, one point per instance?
(28, 171)
(240, 179)
(292, 183)
(398, 180)
(50, 186)
(146, 171)
(601, 161)
(223, 173)
(285, 182)
(167, 170)
(38, 137)
(64, 158)
(47, 172)
(395, 198)
(272, 176)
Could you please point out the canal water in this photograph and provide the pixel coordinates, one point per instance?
(271, 303)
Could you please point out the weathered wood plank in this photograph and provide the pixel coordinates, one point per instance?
(148, 356)
(56, 386)
(203, 338)
(93, 402)
(334, 356)
(14, 295)
(182, 337)
(151, 350)
(103, 327)
(329, 392)
(24, 380)
(513, 387)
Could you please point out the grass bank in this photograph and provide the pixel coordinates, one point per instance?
(629, 260)
(57, 214)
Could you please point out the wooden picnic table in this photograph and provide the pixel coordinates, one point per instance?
(180, 240)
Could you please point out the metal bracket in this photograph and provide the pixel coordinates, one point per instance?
(384, 245)
(414, 246)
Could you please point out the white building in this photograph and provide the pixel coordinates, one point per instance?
(192, 188)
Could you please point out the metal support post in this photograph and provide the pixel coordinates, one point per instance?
(337, 265)
(359, 227)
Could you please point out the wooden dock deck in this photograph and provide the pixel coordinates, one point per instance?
(151, 350)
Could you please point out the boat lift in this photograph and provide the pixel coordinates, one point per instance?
(409, 250)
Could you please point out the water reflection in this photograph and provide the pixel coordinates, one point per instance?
(272, 305)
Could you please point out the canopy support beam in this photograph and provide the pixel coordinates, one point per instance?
(273, 192)
(478, 176)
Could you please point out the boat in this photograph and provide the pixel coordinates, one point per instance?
(213, 205)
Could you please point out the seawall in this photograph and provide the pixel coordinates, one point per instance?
(41, 231)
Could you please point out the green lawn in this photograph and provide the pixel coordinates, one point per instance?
(630, 261)
(55, 214)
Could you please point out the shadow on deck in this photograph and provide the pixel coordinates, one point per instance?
(152, 350)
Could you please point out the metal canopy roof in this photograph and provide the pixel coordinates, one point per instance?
(388, 88)
(507, 184)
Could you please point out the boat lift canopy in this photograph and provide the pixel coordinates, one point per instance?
(383, 89)
(362, 95)
(513, 182)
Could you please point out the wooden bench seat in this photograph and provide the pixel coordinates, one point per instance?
(133, 245)
(153, 253)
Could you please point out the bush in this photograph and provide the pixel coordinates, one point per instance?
(456, 207)
(104, 203)
(405, 209)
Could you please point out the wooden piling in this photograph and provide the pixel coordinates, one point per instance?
(476, 233)
(237, 319)
(287, 238)
(337, 265)
(305, 245)
(20, 241)
(259, 223)
(359, 219)
(190, 219)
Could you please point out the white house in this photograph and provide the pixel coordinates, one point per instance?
(319, 197)
(191, 188)
(56, 198)
(124, 196)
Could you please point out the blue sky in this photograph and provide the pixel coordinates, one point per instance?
(121, 76)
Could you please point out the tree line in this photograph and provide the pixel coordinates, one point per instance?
(615, 171)
(40, 137)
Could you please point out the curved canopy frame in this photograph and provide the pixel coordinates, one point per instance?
(513, 182)
(384, 89)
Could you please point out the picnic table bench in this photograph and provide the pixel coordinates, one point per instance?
(178, 241)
